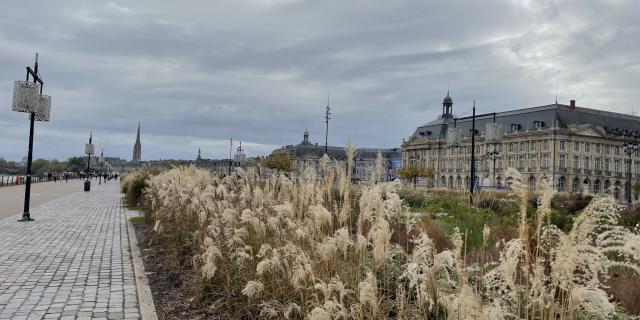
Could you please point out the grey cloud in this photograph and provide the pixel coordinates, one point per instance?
(196, 73)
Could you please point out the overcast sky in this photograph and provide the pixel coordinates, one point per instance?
(197, 72)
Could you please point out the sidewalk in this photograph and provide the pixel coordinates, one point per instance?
(72, 262)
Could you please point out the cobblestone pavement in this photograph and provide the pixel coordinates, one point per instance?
(72, 262)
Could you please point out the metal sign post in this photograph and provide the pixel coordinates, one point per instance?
(28, 98)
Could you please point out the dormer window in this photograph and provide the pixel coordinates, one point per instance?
(516, 127)
(538, 124)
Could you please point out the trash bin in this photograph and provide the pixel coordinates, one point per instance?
(87, 185)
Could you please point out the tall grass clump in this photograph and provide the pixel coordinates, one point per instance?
(285, 248)
(132, 185)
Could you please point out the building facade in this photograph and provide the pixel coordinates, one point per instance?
(306, 154)
(580, 150)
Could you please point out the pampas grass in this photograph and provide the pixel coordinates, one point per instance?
(291, 249)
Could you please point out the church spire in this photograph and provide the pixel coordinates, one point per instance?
(137, 147)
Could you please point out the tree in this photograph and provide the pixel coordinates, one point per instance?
(280, 162)
(40, 166)
(413, 171)
(76, 164)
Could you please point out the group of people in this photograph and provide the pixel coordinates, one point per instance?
(51, 176)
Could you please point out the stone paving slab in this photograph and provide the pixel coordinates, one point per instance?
(72, 262)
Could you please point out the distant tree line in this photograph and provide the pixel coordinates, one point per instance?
(43, 166)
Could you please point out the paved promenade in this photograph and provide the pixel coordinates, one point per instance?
(12, 197)
(72, 262)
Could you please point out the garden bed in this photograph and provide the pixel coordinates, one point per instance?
(175, 288)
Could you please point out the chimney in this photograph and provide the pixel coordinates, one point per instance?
(572, 104)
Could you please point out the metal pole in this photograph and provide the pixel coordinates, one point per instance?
(89, 160)
(629, 201)
(473, 153)
(26, 215)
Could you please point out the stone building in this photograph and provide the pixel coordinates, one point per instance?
(578, 149)
(307, 154)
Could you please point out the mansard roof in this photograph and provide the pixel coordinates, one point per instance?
(563, 116)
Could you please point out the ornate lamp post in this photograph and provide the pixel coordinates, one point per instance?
(88, 150)
(28, 97)
(629, 147)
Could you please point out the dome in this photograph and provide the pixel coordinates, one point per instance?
(447, 99)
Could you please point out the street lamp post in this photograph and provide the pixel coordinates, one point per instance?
(494, 155)
(28, 97)
(88, 150)
(327, 117)
(101, 161)
(629, 147)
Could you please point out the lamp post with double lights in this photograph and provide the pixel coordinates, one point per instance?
(28, 98)
(629, 147)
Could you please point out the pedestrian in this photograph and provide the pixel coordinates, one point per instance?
(66, 177)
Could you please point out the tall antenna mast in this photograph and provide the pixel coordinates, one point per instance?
(230, 148)
(556, 90)
(327, 116)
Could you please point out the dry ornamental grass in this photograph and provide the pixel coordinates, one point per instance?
(314, 249)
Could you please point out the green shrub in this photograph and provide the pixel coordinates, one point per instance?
(570, 203)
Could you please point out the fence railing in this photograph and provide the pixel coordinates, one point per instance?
(18, 180)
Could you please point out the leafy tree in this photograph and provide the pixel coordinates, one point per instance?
(76, 164)
(40, 166)
(280, 162)
(413, 171)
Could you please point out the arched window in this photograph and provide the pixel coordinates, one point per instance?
(607, 187)
(499, 182)
(459, 182)
(443, 182)
(575, 185)
(585, 186)
(509, 181)
(532, 183)
(627, 191)
(562, 183)
(596, 186)
(450, 182)
(616, 190)
(466, 182)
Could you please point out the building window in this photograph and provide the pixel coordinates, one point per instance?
(545, 145)
(521, 146)
(616, 165)
(521, 162)
(596, 186)
(636, 167)
(586, 163)
(575, 184)
(616, 190)
(533, 162)
(607, 187)
(515, 127)
(627, 166)
(576, 162)
(587, 147)
(561, 145)
(511, 163)
(616, 150)
(561, 183)
(562, 161)
(532, 183)
(545, 161)
(511, 147)
(576, 146)
(597, 148)
(627, 190)
(538, 124)
(532, 145)
(606, 164)
(607, 149)
(597, 164)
